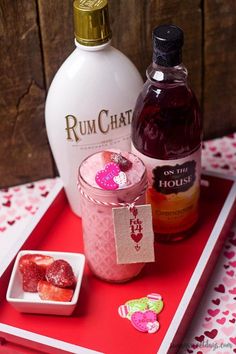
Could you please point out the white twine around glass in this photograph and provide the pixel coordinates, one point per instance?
(129, 205)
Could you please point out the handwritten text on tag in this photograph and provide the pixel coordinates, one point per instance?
(134, 234)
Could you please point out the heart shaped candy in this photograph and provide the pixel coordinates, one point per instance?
(121, 179)
(123, 311)
(105, 178)
(156, 306)
(153, 326)
(154, 297)
(136, 305)
(140, 320)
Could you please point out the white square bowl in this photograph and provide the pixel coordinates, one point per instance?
(30, 302)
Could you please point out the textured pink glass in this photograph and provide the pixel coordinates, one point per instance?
(97, 221)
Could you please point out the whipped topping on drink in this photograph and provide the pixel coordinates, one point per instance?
(128, 163)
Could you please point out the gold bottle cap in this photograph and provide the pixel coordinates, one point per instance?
(91, 22)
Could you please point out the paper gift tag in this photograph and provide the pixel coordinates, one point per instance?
(134, 235)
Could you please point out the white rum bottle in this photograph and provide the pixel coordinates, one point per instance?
(91, 98)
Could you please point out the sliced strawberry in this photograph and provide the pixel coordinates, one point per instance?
(39, 259)
(60, 273)
(50, 292)
(32, 274)
(122, 161)
(106, 156)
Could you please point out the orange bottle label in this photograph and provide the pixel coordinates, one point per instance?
(174, 189)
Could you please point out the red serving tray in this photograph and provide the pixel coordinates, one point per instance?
(179, 275)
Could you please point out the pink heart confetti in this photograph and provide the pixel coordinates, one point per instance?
(29, 207)
(220, 288)
(229, 255)
(45, 194)
(8, 197)
(211, 334)
(233, 291)
(42, 188)
(207, 325)
(231, 307)
(228, 330)
(225, 313)
(213, 313)
(200, 338)
(221, 320)
(229, 281)
(233, 340)
(207, 318)
(225, 297)
(216, 301)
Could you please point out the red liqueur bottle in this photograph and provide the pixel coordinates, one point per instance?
(166, 135)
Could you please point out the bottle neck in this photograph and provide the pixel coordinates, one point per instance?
(169, 76)
(92, 48)
(167, 59)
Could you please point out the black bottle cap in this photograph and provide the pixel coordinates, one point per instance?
(167, 45)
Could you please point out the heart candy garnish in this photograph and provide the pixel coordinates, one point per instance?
(123, 310)
(121, 179)
(154, 297)
(143, 312)
(156, 306)
(111, 178)
(153, 326)
(105, 178)
(144, 321)
(136, 305)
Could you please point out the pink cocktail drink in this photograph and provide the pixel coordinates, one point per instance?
(97, 203)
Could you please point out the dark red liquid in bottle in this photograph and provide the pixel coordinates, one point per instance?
(166, 133)
(166, 122)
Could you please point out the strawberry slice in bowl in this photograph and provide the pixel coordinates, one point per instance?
(41, 260)
(48, 298)
(50, 292)
(31, 275)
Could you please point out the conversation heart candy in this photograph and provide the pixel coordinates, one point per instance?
(153, 326)
(137, 305)
(154, 296)
(142, 312)
(121, 179)
(155, 302)
(105, 178)
(123, 311)
(156, 306)
(142, 320)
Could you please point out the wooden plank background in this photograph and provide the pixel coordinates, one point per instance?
(37, 35)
